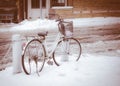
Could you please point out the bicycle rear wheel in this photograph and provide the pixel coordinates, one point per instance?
(33, 57)
(68, 49)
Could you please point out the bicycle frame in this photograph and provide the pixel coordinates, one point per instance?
(55, 43)
(50, 50)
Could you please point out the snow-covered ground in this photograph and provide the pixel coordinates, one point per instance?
(92, 69)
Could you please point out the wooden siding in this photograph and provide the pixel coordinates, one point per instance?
(90, 8)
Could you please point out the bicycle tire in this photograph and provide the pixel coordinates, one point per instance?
(73, 54)
(33, 55)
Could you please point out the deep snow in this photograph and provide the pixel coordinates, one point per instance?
(46, 25)
(90, 70)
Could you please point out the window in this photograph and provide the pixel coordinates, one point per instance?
(36, 3)
(59, 2)
(43, 3)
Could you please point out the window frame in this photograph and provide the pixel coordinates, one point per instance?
(35, 4)
(59, 3)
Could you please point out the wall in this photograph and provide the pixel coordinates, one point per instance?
(91, 8)
(8, 7)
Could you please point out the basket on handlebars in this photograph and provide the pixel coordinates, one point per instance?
(66, 28)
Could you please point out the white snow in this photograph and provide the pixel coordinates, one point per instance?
(97, 21)
(90, 70)
(48, 25)
(41, 24)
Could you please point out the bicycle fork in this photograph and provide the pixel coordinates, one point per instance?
(65, 49)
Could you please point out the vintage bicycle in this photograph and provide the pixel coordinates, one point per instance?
(64, 48)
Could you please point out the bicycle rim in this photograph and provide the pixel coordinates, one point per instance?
(72, 53)
(33, 58)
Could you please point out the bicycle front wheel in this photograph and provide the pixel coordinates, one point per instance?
(68, 49)
(33, 57)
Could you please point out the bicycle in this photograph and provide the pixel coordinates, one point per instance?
(64, 48)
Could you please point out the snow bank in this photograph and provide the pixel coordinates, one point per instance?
(45, 24)
(48, 25)
(97, 21)
(41, 24)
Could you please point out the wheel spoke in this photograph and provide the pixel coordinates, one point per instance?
(67, 50)
(33, 57)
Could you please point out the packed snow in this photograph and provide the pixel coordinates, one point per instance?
(48, 25)
(90, 70)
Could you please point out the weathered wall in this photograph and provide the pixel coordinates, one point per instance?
(91, 8)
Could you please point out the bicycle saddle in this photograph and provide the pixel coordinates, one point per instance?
(43, 33)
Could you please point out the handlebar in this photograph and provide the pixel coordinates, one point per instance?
(59, 20)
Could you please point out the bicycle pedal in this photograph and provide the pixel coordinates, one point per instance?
(50, 62)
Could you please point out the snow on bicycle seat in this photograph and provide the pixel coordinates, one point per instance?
(43, 33)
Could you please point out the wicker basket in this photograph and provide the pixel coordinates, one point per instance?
(66, 28)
